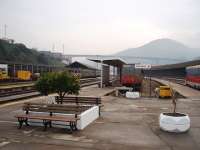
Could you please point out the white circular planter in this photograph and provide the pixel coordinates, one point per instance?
(178, 123)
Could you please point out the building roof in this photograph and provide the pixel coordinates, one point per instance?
(178, 65)
(116, 62)
(78, 64)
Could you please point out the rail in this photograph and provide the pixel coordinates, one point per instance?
(10, 93)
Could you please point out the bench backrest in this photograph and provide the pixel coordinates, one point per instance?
(54, 108)
(79, 100)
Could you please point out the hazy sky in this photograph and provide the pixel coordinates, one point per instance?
(99, 26)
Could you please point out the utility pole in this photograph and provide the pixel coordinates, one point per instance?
(5, 27)
(53, 47)
(63, 46)
(101, 73)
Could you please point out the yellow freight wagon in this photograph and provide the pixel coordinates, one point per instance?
(4, 72)
(165, 91)
(23, 75)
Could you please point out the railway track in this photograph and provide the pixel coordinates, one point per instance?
(10, 93)
(176, 80)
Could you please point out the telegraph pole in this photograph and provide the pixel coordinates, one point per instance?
(63, 46)
(5, 27)
(53, 47)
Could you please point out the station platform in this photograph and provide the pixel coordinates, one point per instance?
(185, 91)
(124, 124)
(85, 91)
(95, 91)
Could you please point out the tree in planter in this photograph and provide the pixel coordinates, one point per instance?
(174, 100)
(44, 84)
(64, 83)
(174, 121)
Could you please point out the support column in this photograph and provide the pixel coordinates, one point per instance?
(120, 74)
(101, 74)
(14, 70)
(32, 69)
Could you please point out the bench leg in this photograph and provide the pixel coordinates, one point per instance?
(70, 127)
(99, 111)
(50, 124)
(74, 126)
(26, 122)
(20, 123)
(46, 123)
(22, 120)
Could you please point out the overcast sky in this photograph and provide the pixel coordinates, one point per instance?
(99, 26)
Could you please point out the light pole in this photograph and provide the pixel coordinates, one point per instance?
(101, 73)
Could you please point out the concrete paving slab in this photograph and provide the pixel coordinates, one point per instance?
(124, 124)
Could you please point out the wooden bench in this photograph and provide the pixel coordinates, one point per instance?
(81, 100)
(51, 112)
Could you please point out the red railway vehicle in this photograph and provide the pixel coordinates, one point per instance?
(193, 76)
(132, 77)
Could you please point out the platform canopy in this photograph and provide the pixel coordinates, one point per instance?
(116, 62)
(178, 65)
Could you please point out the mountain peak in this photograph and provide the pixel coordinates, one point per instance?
(163, 48)
(167, 40)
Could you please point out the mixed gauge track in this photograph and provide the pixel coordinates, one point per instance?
(17, 91)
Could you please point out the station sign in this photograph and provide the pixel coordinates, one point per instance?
(143, 66)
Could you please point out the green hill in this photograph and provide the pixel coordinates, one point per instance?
(19, 53)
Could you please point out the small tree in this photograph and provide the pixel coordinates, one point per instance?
(174, 100)
(64, 83)
(44, 84)
(61, 83)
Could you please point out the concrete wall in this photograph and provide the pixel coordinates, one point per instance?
(86, 118)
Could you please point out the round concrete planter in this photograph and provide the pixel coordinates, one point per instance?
(174, 122)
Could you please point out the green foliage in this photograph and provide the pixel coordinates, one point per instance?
(45, 84)
(64, 83)
(21, 54)
(60, 82)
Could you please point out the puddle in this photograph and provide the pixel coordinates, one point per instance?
(164, 108)
(70, 138)
(110, 109)
(142, 108)
(4, 143)
(115, 122)
(134, 106)
(99, 122)
(28, 132)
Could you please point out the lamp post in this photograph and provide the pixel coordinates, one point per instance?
(101, 73)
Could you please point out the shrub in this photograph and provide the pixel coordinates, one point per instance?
(45, 84)
(64, 83)
(61, 83)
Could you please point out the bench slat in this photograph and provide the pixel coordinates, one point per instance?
(52, 118)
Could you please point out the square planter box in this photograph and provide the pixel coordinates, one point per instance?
(86, 118)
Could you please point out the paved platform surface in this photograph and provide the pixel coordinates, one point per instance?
(125, 124)
(183, 90)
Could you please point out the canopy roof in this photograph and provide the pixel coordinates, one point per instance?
(178, 65)
(116, 62)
